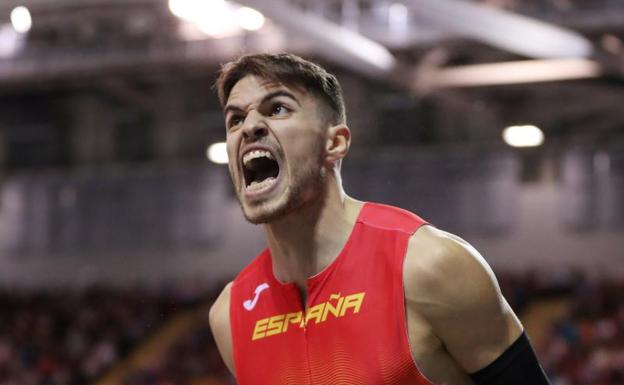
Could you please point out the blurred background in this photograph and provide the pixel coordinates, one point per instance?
(499, 120)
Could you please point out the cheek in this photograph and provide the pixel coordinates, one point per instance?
(306, 151)
(306, 140)
(231, 152)
(231, 149)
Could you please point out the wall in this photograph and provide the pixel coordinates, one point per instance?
(181, 223)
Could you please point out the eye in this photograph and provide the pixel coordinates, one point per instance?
(279, 109)
(235, 120)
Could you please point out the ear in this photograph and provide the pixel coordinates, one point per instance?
(337, 143)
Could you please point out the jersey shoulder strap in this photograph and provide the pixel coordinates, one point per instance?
(391, 217)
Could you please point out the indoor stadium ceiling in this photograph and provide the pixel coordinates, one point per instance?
(465, 68)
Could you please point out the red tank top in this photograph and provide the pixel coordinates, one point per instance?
(351, 331)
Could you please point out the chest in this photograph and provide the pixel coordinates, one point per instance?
(344, 332)
(350, 330)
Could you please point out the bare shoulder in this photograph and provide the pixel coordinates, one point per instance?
(448, 283)
(444, 266)
(220, 309)
(219, 317)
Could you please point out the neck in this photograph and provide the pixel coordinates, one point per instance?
(306, 241)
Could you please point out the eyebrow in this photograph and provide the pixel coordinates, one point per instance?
(264, 99)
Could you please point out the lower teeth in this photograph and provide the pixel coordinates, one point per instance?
(260, 185)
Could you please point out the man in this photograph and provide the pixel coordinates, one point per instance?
(347, 292)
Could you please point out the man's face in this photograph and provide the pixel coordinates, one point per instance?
(275, 142)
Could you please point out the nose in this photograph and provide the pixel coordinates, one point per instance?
(254, 127)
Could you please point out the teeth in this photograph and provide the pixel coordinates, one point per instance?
(256, 186)
(256, 154)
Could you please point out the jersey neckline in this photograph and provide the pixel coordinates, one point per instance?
(316, 280)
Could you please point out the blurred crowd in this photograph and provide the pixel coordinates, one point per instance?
(71, 337)
(75, 337)
(193, 360)
(587, 346)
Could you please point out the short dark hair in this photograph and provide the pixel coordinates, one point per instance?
(287, 69)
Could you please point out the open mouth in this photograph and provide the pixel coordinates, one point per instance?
(260, 170)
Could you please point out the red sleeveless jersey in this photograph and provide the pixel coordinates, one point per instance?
(351, 331)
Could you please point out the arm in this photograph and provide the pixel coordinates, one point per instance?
(219, 318)
(453, 289)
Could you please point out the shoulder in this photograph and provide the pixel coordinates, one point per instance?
(385, 216)
(449, 284)
(219, 319)
(442, 267)
(219, 315)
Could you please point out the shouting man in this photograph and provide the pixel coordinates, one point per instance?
(347, 292)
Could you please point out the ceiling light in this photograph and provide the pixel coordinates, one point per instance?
(398, 17)
(217, 153)
(514, 72)
(187, 9)
(219, 23)
(11, 41)
(212, 17)
(21, 19)
(250, 19)
(523, 136)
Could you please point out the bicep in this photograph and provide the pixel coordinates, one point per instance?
(220, 325)
(457, 293)
(478, 331)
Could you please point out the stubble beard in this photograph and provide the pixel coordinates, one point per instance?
(305, 187)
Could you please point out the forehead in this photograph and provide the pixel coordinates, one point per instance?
(252, 88)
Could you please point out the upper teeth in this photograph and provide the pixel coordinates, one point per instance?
(256, 154)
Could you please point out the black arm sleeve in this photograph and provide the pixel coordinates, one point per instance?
(516, 366)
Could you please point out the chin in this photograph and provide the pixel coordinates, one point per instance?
(291, 202)
(265, 212)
